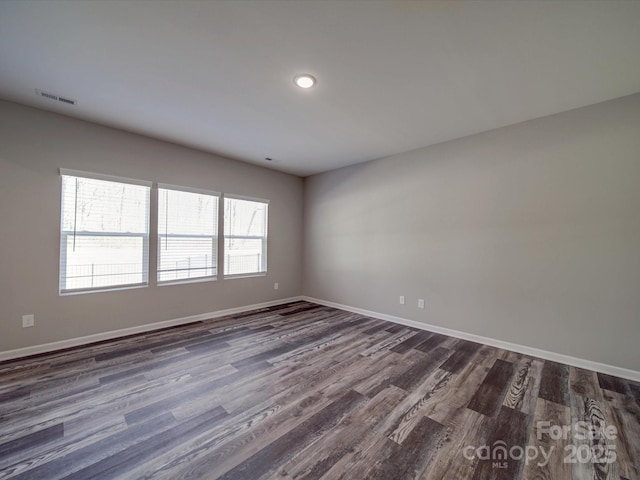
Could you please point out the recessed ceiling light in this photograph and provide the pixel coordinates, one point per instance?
(304, 80)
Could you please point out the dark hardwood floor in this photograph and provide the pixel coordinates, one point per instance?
(302, 391)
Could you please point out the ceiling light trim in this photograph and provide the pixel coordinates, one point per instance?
(304, 81)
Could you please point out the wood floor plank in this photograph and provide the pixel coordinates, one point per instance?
(93, 453)
(445, 404)
(243, 438)
(305, 308)
(554, 383)
(415, 373)
(609, 382)
(549, 450)
(595, 464)
(268, 459)
(490, 394)
(584, 382)
(511, 430)
(46, 435)
(415, 406)
(486, 352)
(298, 391)
(431, 342)
(409, 460)
(411, 342)
(624, 414)
(626, 465)
(395, 328)
(466, 429)
(37, 455)
(464, 352)
(231, 441)
(357, 462)
(523, 392)
(120, 463)
(634, 388)
(9, 394)
(316, 460)
(375, 328)
(378, 372)
(386, 343)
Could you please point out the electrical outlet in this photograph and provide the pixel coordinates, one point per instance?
(401, 299)
(421, 303)
(276, 286)
(28, 321)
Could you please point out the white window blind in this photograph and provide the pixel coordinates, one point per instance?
(104, 233)
(187, 234)
(245, 236)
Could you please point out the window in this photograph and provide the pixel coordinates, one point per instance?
(187, 234)
(245, 236)
(104, 232)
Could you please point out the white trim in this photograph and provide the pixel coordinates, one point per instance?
(514, 347)
(544, 354)
(187, 281)
(245, 275)
(108, 178)
(178, 188)
(115, 288)
(243, 197)
(149, 327)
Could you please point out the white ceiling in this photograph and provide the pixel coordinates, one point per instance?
(392, 75)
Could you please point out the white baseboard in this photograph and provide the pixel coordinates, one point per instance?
(544, 354)
(514, 347)
(149, 327)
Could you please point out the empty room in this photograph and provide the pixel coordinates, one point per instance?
(320, 239)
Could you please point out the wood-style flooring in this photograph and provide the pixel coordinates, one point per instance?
(303, 391)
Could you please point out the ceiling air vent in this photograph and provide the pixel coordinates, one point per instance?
(58, 98)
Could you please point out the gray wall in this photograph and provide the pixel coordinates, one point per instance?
(527, 234)
(35, 144)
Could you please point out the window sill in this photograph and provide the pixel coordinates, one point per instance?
(186, 281)
(245, 275)
(102, 290)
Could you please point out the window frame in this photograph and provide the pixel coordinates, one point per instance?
(225, 235)
(216, 236)
(64, 235)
